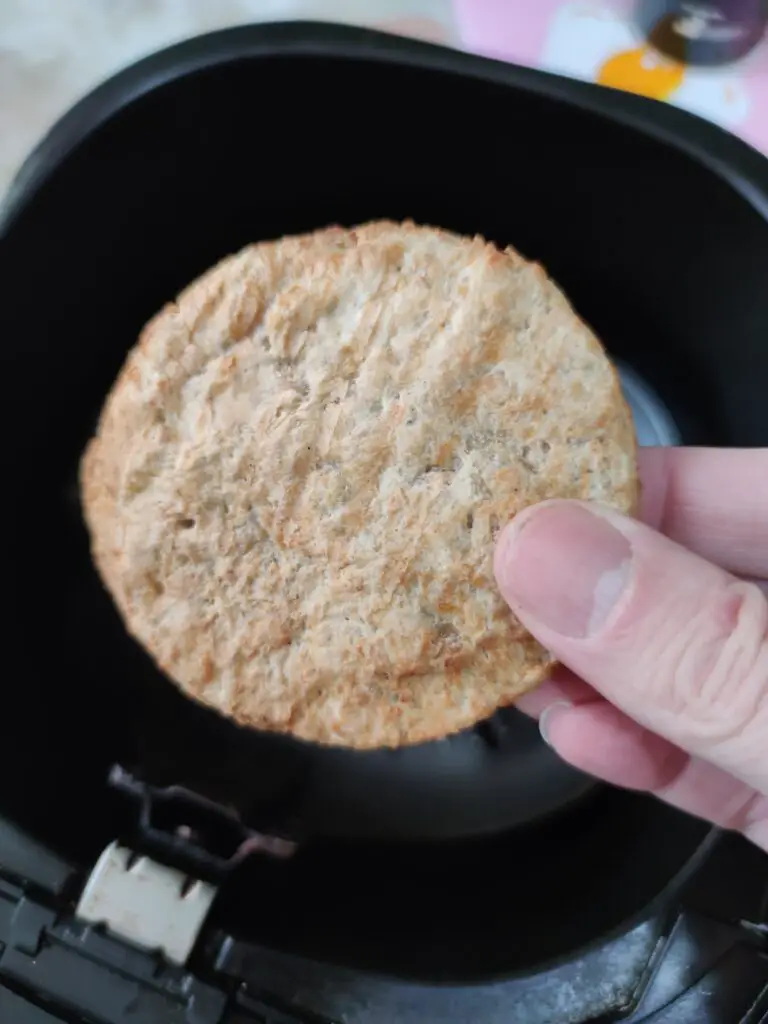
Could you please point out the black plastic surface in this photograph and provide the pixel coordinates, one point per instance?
(21, 1011)
(654, 222)
(675, 967)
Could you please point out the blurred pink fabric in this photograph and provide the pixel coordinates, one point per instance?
(568, 37)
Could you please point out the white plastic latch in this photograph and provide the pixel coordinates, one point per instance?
(146, 903)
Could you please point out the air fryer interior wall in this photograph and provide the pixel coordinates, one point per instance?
(660, 253)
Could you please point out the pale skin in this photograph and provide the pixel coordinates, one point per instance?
(661, 627)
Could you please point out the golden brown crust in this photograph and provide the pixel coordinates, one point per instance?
(298, 476)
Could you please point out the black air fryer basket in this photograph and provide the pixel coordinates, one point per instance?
(655, 224)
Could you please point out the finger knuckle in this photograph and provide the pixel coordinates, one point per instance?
(718, 665)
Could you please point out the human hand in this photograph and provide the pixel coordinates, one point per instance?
(663, 636)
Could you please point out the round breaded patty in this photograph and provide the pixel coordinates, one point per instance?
(299, 474)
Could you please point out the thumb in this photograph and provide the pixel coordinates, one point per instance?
(675, 642)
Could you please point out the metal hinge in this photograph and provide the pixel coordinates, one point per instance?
(195, 835)
(146, 903)
(158, 898)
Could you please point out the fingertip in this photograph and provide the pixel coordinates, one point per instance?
(654, 470)
(600, 740)
(562, 685)
(503, 554)
(508, 545)
(549, 717)
(562, 568)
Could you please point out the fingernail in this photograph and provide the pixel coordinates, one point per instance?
(545, 718)
(563, 567)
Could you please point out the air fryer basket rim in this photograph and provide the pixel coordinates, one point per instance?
(733, 161)
(743, 168)
(720, 152)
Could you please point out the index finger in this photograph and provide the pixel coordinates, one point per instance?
(713, 501)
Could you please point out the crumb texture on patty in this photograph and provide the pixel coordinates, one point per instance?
(299, 474)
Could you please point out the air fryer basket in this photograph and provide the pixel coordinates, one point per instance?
(654, 223)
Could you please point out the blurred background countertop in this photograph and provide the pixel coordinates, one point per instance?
(52, 52)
